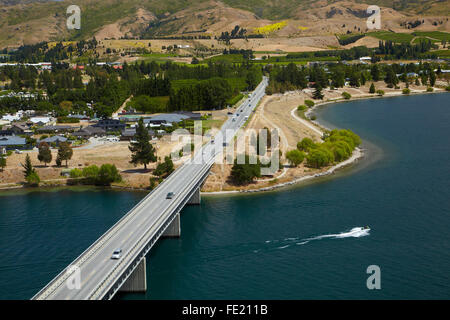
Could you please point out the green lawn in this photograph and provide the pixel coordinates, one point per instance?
(438, 35)
(395, 37)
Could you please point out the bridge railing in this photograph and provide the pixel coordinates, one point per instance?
(64, 274)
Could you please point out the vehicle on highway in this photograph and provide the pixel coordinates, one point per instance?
(170, 195)
(116, 254)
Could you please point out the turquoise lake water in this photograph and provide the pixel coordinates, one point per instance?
(280, 245)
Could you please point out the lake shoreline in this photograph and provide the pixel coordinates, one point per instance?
(356, 155)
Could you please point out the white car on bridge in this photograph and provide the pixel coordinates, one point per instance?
(116, 254)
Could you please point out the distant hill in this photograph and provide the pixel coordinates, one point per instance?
(30, 21)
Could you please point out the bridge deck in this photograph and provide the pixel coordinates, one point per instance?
(137, 231)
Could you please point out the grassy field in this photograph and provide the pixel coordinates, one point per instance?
(442, 53)
(435, 36)
(438, 35)
(231, 58)
(395, 37)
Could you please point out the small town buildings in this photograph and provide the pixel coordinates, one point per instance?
(54, 141)
(128, 134)
(21, 128)
(110, 125)
(56, 129)
(12, 142)
(11, 117)
(89, 131)
(41, 121)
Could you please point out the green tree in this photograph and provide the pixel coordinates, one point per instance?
(391, 78)
(28, 167)
(245, 173)
(375, 72)
(45, 154)
(318, 95)
(346, 95)
(372, 88)
(2, 161)
(306, 145)
(432, 78)
(295, 157)
(165, 168)
(33, 179)
(253, 78)
(319, 158)
(142, 152)
(108, 174)
(65, 152)
(309, 103)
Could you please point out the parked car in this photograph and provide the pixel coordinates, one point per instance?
(116, 254)
(18, 151)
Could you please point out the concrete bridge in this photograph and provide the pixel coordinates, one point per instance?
(94, 275)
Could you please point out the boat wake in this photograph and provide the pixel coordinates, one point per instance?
(287, 242)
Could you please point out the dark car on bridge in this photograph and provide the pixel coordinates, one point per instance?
(170, 195)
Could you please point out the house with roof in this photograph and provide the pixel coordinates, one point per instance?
(90, 131)
(21, 128)
(158, 120)
(54, 141)
(129, 133)
(56, 129)
(12, 142)
(110, 125)
(40, 121)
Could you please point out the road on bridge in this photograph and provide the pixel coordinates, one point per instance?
(98, 272)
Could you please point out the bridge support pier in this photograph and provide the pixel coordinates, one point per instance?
(137, 282)
(196, 197)
(174, 229)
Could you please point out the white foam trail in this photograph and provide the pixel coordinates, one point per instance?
(353, 233)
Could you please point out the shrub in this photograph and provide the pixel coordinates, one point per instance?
(313, 117)
(108, 174)
(33, 179)
(90, 174)
(76, 173)
(306, 145)
(380, 92)
(346, 95)
(430, 89)
(319, 158)
(301, 108)
(309, 103)
(152, 183)
(295, 157)
(164, 168)
(406, 91)
(447, 88)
